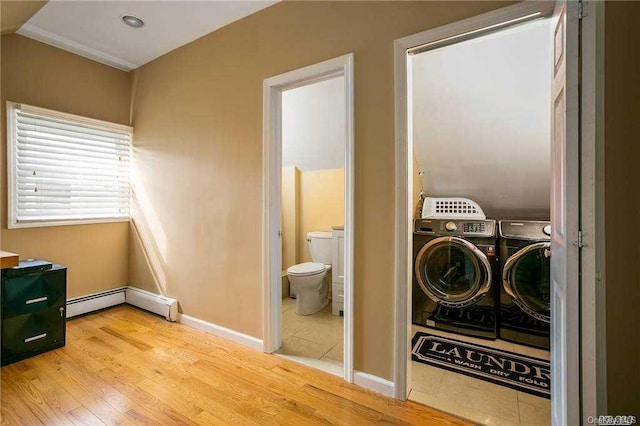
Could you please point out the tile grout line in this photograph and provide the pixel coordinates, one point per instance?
(315, 343)
(439, 385)
(330, 349)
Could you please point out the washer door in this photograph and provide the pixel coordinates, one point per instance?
(526, 277)
(452, 271)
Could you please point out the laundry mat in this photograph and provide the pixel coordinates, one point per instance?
(515, 371)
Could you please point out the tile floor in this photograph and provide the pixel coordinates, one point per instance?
(475, 399)
(315, 340)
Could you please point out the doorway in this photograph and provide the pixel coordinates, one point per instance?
(565, 193)
(308, 216)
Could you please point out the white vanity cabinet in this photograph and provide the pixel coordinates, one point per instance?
(337, 283)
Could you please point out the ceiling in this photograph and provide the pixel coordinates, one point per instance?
(94, 29)
(481, 123)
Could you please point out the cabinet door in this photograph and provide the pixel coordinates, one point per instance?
(27, 334)
(338, 257)
(29, 293)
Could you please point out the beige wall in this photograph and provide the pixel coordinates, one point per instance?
(40, 75)
(311, 201)
(198, 136)
(290, 215)
(321, 205)
(622, 206)
(14, 13)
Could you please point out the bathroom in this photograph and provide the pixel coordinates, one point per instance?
(313, 211)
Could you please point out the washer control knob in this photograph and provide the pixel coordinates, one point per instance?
(450, 226)
(547, 230)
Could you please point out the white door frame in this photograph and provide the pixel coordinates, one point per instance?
(593, 336)
(272, 203)
(592, 339)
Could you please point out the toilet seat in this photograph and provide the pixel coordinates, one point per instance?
(307, 269)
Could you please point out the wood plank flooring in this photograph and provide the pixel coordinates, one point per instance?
(126, 366)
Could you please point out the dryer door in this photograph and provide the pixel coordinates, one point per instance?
(526, 277)
(452, 271)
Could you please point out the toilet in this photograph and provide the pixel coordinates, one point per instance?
(310, 279)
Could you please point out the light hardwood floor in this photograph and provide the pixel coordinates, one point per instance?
(125, 366)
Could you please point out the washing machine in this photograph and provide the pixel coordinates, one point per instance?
(525, 291)
(454, 276)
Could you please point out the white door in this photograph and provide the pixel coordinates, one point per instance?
(565, 213)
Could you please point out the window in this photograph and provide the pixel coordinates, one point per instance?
(64, 169)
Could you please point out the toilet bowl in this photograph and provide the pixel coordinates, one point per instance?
(310, 279)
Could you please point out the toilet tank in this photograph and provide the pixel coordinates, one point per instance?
(320, 246)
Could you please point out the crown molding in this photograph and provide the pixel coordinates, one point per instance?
(63, 43)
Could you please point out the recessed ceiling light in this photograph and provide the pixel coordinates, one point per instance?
(132, 21)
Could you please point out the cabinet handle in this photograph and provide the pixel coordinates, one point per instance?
(39, 299)
(39, 336)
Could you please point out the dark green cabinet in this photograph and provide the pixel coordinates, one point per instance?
(33, 309)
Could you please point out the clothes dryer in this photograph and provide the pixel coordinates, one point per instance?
(525, 291)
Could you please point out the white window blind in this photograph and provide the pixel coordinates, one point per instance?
(66, 169)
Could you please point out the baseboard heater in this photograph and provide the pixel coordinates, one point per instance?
(161, 305)
(95, 302)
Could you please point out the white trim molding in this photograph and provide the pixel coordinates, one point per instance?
(374, 383)
(223, 332)
(80, 49)
(272, 203)
(593, 314)
(80, 119)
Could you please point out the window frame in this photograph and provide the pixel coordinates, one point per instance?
(12, 202)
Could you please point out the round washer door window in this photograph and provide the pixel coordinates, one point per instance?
(452, 271)
(527, 280)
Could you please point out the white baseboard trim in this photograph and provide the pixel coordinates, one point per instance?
(374, 383)
(225, 333)
(95, 302)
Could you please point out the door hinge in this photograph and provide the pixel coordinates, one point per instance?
(581, 12)
(580, 242)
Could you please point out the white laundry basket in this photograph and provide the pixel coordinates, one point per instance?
(451, 208)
